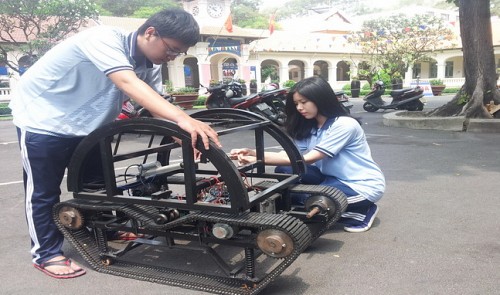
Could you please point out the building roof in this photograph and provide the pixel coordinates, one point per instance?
(331, 21)
(310, 42)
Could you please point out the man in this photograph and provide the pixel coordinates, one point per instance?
(78, 86)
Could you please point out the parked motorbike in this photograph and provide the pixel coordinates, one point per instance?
(344, 101)
(403, 99)
(134, 110)
(269, 104)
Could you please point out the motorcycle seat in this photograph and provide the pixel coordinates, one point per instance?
(237, 100)
(400, 91)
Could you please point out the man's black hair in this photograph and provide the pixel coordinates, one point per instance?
(174, 23)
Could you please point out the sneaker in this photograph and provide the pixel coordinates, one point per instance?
(367, 223)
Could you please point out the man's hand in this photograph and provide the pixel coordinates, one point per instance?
(195, 128)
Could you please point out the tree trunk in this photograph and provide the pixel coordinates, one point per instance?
(479, 64)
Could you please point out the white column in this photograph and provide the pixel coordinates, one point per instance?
(283, 73)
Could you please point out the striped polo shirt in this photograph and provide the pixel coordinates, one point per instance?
(67, 92)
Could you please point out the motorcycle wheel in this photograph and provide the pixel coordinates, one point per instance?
(369, 107)
(215, 104)
(415, 106)
(279, 119)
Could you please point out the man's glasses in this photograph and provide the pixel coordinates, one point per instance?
(169, 50)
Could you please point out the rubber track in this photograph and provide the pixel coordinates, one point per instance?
(85, 244)
(336, 195)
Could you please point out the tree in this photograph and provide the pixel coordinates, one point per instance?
(134, 8)
(33, 27)
(479, 64)
(397, 42)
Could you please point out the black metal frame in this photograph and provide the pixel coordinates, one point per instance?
(240, 200)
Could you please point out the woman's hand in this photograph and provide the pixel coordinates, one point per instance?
(244, 155)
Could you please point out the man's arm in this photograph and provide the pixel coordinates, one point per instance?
(144, 95)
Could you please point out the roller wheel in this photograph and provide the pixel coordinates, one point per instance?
(107, 261)
(71, 218)
(275, 243)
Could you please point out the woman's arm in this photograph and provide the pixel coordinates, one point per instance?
(245, 156)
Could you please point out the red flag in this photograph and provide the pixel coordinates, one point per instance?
(271, 24)
(229, 24)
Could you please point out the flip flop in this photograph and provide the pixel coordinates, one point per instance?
(62, 262)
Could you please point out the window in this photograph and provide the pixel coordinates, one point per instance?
(448, 71)
(433, 70)
(417, 69)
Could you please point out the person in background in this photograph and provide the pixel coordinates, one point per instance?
(78, 86)
(334, 148)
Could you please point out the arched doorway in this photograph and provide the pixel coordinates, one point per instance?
(343, 69)
(269, 70)
(191, 72)
(321, 69)
(296, 70)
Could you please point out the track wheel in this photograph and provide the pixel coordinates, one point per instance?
(71, 218)
(107, 261)
(369, 107)
(275, 243)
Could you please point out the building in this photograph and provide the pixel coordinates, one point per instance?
(315, 44)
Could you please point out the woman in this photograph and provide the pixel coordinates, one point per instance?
(334, 146)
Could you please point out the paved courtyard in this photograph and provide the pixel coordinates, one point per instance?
(437, 231)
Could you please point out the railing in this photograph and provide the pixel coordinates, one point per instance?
(449, 82)
(4, 93)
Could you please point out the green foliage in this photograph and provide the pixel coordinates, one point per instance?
(346, 87)
(134, 8)
(200, 101)
(43, 22)
(269, 71)
(451, 90)
(185, 90)
(4, 109)
(168, 86)
(463, 99)
(366, 86)
(383, 76)
(289, 83)
(394, 43)
(436, 82)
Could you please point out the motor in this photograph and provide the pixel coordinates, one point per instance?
(270, 104)
(403, 99)
(344, 101)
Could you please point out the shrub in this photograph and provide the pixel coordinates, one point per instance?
(346, 87)
(4, 109)
(200, 101)
(436, 82)
(289, 83)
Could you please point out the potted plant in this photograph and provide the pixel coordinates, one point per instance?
(437, 86)
(243, 86)
(185, 96)
(253, 86)
(355, 86)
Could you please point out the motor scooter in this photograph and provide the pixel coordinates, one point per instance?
(134, 110)
(269, 104)
(403, 99)
(344, 100)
